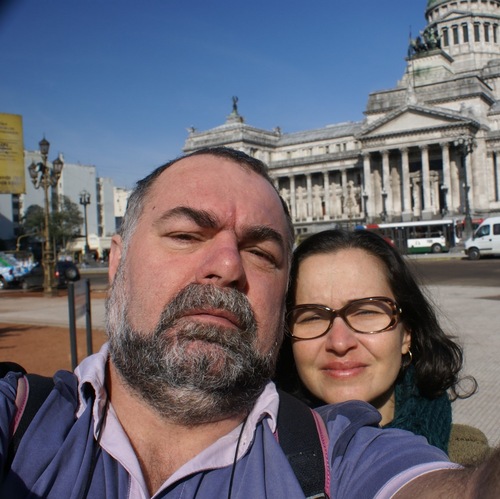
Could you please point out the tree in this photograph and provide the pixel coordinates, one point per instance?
(64, 224)
(33, 220)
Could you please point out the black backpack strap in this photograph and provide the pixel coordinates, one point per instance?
(299, 438)
(39, 389)
(7, 367)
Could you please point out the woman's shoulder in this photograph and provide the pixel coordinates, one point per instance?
(468, 445)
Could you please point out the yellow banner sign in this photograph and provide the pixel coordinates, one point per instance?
(12, 179)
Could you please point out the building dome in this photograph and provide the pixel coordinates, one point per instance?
(434, 3)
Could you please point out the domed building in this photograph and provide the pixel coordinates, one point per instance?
(427, 149)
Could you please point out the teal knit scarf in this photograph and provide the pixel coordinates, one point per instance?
(420, 415)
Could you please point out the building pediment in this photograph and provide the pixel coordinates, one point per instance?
(453, 14)
(410, 119)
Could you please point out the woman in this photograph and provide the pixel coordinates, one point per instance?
(359, 327)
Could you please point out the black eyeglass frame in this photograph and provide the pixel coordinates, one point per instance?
(396, 315)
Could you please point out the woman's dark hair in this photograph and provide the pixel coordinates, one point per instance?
(437, 357)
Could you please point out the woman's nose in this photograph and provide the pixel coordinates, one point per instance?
(340, 338)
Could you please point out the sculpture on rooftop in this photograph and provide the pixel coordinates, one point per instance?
(429, 39)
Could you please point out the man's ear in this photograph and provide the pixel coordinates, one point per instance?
(115, 255)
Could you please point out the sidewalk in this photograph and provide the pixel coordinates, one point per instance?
(34, 308)
(470, 313)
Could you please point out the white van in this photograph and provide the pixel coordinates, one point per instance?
(485, 241)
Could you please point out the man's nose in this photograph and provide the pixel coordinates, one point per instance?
(222, 264)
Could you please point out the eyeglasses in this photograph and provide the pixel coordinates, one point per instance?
(366, 316)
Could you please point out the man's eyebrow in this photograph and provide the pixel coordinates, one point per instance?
(208, 220)
(201, 218)
(261, 233)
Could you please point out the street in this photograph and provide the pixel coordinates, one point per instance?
(458, 272)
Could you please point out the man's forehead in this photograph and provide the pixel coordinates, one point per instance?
(209, 163)
(219, 185)
(202, 175)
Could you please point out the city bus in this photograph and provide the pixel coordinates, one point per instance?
(429, 236)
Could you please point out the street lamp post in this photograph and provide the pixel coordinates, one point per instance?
(18, 240)
(43, 176)
(85, 201)
(465, 144)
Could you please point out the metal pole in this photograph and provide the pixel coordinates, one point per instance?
(42, 176)
(85, 201)
(468, 219)
(47, 252)
(88, 317)
(465, 144)
(87, 248)
(72, 325)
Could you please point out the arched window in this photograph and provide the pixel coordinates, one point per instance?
(486, 32)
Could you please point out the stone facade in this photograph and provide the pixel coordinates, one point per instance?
(422, 147)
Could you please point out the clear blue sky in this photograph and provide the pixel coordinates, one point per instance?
(116, 83)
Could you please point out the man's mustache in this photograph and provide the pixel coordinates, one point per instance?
(208, 297)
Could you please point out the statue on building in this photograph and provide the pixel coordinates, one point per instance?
(235, 117)
(335, 200)
(317, 202)
(429, 39)
(235, 104)
(416, 195)
(285, 195)
(301, 204)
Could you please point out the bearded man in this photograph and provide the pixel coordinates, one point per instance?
(178, 403)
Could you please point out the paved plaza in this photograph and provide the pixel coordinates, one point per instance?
(471, 313)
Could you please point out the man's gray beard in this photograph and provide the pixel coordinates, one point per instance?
(188, 372)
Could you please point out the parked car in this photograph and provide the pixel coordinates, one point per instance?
(7, 277)
(10, 271)
(64, 272)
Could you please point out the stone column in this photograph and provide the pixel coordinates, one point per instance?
(455, 179)
(368, 189)
(293, 199)
(326, 187)
(496, 175)
(445, 151)
(344, 191)
(386, 181)
(405, 180)
(426, 209)
(417, 208)
(309, 197)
